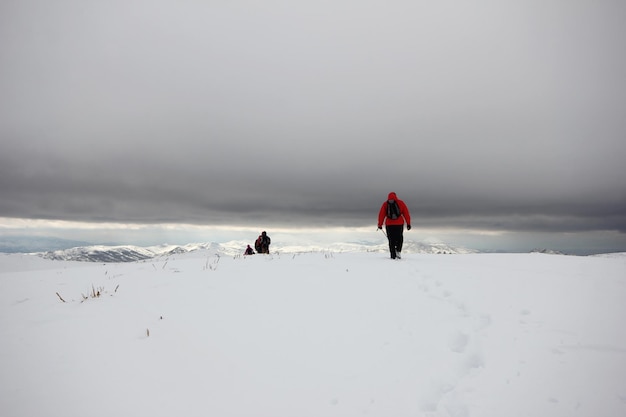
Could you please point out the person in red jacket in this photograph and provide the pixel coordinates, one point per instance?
(393, 213)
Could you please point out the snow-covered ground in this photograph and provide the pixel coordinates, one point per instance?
(314, 334)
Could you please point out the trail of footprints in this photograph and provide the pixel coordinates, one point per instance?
(464, 345)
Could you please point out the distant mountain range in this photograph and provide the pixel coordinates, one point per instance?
(125, 253)
(129, 253)
(547, 251)
(70, 250)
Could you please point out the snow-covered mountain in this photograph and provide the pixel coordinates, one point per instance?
(130, 253)
(125, 253)
(100, 254)
(547, 251)
(435, 248)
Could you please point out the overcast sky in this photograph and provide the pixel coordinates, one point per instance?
(485, 115)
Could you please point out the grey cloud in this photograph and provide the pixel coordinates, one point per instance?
(490, 115)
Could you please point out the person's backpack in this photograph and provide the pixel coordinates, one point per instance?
(393, 211)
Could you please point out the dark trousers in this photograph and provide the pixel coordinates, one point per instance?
(394, 235)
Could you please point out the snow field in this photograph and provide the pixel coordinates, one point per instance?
(314, 334)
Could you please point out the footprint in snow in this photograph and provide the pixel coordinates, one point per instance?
(458, 342)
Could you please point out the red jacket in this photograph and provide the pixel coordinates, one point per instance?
(404, 212)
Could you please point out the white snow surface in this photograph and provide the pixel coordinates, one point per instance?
(314, 334)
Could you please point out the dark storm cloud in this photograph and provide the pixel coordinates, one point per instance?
(489, 115)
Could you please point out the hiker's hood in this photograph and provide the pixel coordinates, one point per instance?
(392, 196)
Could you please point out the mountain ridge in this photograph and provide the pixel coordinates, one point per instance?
(132, 253)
